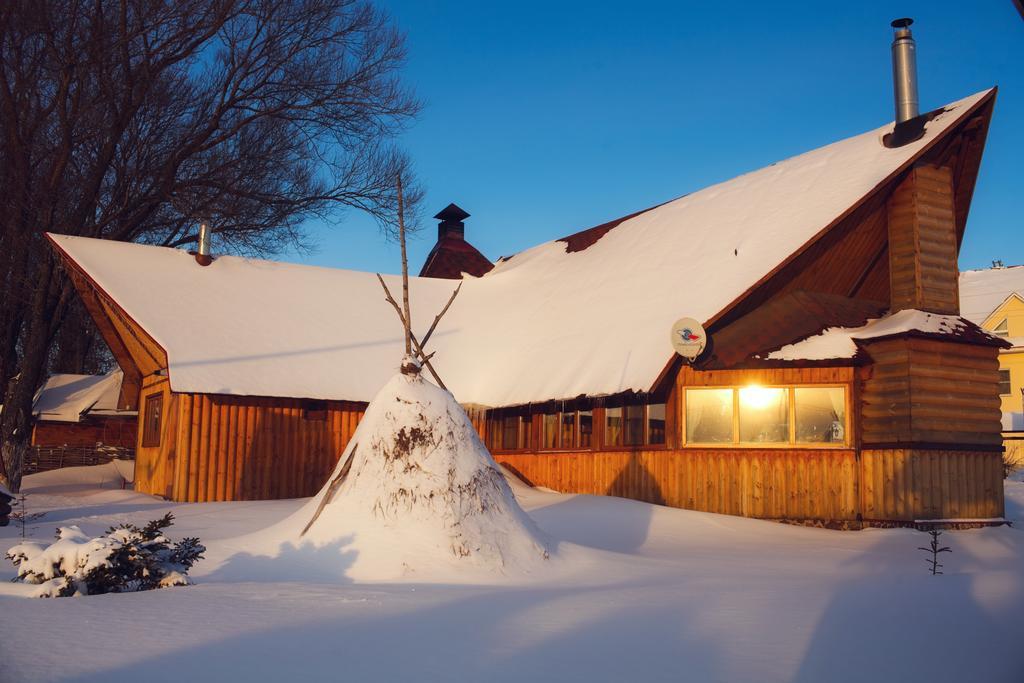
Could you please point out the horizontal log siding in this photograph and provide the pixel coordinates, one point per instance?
(930, 391)
(923, 242)
(217, 448)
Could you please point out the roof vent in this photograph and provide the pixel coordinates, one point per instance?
(203, 256)
(451, 224)
(909, 125)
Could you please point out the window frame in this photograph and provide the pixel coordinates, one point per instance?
(152, 431)
(1009, 382)
(598, 425)
(791, 443)
(1002, 334)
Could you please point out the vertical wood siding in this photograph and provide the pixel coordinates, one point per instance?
(898, 485)
(217, 448)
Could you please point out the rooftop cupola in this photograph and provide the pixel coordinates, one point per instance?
(453, 256)
(451, 224)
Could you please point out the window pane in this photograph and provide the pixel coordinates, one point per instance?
(1002, 329)
(764, 415)
(1004, 382)
(549, 431)
(709, 415)
(568, 427)
(613, 426)
(151, 420)
(820, 414)
(586, 428)
(656, 423)
(511, 432)
(633, 425)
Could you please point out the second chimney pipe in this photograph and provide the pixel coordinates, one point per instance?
(904, 70)
(203, 256)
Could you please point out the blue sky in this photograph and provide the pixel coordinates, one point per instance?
(544, 118)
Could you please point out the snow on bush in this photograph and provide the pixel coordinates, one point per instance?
(415, 491)
(125, 559)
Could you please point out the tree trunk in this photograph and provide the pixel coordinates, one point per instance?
(46, 306)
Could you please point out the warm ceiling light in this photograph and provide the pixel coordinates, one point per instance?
(758, 397)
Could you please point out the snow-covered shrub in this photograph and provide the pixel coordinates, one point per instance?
(126, 558)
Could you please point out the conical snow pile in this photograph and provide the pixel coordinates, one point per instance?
(416, 491)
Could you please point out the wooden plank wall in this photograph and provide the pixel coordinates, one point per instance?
(217, 448)
(909, 484)
(895, 485)
(923, 242)
(930, 391)
(766, 484)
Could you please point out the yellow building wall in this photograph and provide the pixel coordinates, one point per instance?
(1012, 311)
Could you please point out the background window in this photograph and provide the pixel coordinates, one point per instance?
(154, 408)
(515, 432)
(633, 425)
(764, 415)
(656, 423)
(586, 428)
(613, 426)
(568, 428)
(1002, 329)
(709, 415)
(1004, 383)
(820, 414)
(549, 431)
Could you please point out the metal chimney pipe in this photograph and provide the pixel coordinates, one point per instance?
(203, 256)
(904, 70)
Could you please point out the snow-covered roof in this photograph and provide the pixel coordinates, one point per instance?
(67, 397)
(983, 291)
(547, 323)
(839, 342)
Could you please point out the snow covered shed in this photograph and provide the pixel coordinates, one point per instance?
(840, 385)
(82, 410)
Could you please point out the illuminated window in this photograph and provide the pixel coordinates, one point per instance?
(754, 415)
(709, 415)
(820, 414)
(764, 415)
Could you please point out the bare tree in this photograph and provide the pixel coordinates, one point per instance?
(133, 119)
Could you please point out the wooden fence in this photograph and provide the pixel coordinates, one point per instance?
(44, 458)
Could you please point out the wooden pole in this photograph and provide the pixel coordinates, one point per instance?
(406, 319)
(444, 310)
(412, 337)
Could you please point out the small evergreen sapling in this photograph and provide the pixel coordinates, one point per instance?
(934, 548)
(22, 516)
(126, 558)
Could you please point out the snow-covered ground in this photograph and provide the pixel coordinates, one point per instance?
(638, 592)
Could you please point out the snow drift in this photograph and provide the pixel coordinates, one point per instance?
(415, 494)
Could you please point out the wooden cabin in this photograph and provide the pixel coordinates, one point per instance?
(82, 411)
(839, 386)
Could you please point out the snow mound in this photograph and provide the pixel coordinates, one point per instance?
(416, 494)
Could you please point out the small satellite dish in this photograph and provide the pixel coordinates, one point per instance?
(688, 338)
